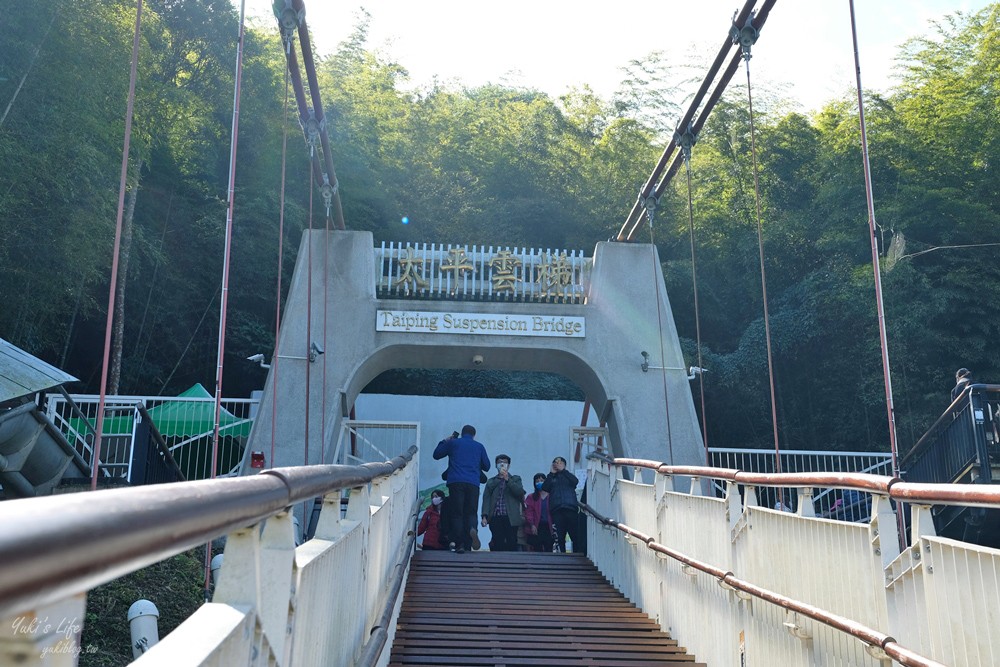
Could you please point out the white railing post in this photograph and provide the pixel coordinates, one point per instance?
(377, 543)
(695, 486)
(130, 454)
(277, 587)
(330, 525)
(256, 577)
(359, 508)
(806, 507)
(921, 522)
(884, 519)
(734, 510)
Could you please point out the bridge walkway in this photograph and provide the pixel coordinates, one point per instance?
(489, 608)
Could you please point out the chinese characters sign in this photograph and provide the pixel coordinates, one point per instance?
(478, 273)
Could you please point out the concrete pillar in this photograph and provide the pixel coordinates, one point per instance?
(626, 312)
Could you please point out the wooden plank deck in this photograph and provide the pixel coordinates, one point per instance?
(499, 609)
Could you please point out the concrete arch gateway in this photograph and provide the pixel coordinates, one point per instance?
(466, 307)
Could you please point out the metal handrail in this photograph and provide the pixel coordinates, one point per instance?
(727, 579)
(978, 495)
(161, 444)
(925, 440)
(79, 413)
(58, 546)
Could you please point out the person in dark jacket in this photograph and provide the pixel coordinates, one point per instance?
(431, 522)
(466, 459)
(502, 501)
(963, 378)
(561, 487)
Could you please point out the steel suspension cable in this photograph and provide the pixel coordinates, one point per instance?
(129, 107)
(308, 353)
(330, 173)
(635, 218)
(697, 314)
(659, 324)
(634, 221)
(227, 253)
(281, 267)
(326, 306)
(309, 282)
(883, 338)
(763, 275)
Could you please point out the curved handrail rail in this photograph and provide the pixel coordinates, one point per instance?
(972, 495)
(161, 444)
(920, 445)
(727, 579)
(59, 546)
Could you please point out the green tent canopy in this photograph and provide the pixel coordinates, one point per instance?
(178, 419)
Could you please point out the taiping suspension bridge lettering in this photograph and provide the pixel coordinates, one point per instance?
(402, 321)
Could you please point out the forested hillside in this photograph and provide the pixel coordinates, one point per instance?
(500, 165)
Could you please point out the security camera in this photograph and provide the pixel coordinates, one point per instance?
(258, 359)
(477, 359)
(314, 351)
(695, 371)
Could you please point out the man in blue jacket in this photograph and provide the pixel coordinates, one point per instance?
(466, 458)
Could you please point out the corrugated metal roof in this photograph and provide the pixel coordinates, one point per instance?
(22, 374)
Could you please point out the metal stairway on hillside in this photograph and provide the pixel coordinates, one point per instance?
(962, 447)
(488, 608)
(34, 455)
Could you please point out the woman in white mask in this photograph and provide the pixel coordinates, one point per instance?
(430, 523)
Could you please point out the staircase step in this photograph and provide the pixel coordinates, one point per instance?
(487, 608)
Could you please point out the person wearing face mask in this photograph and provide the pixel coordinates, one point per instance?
(430, 523)
(537, 517)
(561, 486)
(501, 510)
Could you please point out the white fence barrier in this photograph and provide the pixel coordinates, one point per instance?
(187, 424)
(274, 604)
(844, 505)
(937, 598)
(362, 441)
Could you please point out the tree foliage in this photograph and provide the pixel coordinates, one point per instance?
(504, 166)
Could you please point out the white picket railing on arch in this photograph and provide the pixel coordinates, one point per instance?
(364, 441)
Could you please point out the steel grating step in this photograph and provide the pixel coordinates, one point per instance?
(487, 608)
